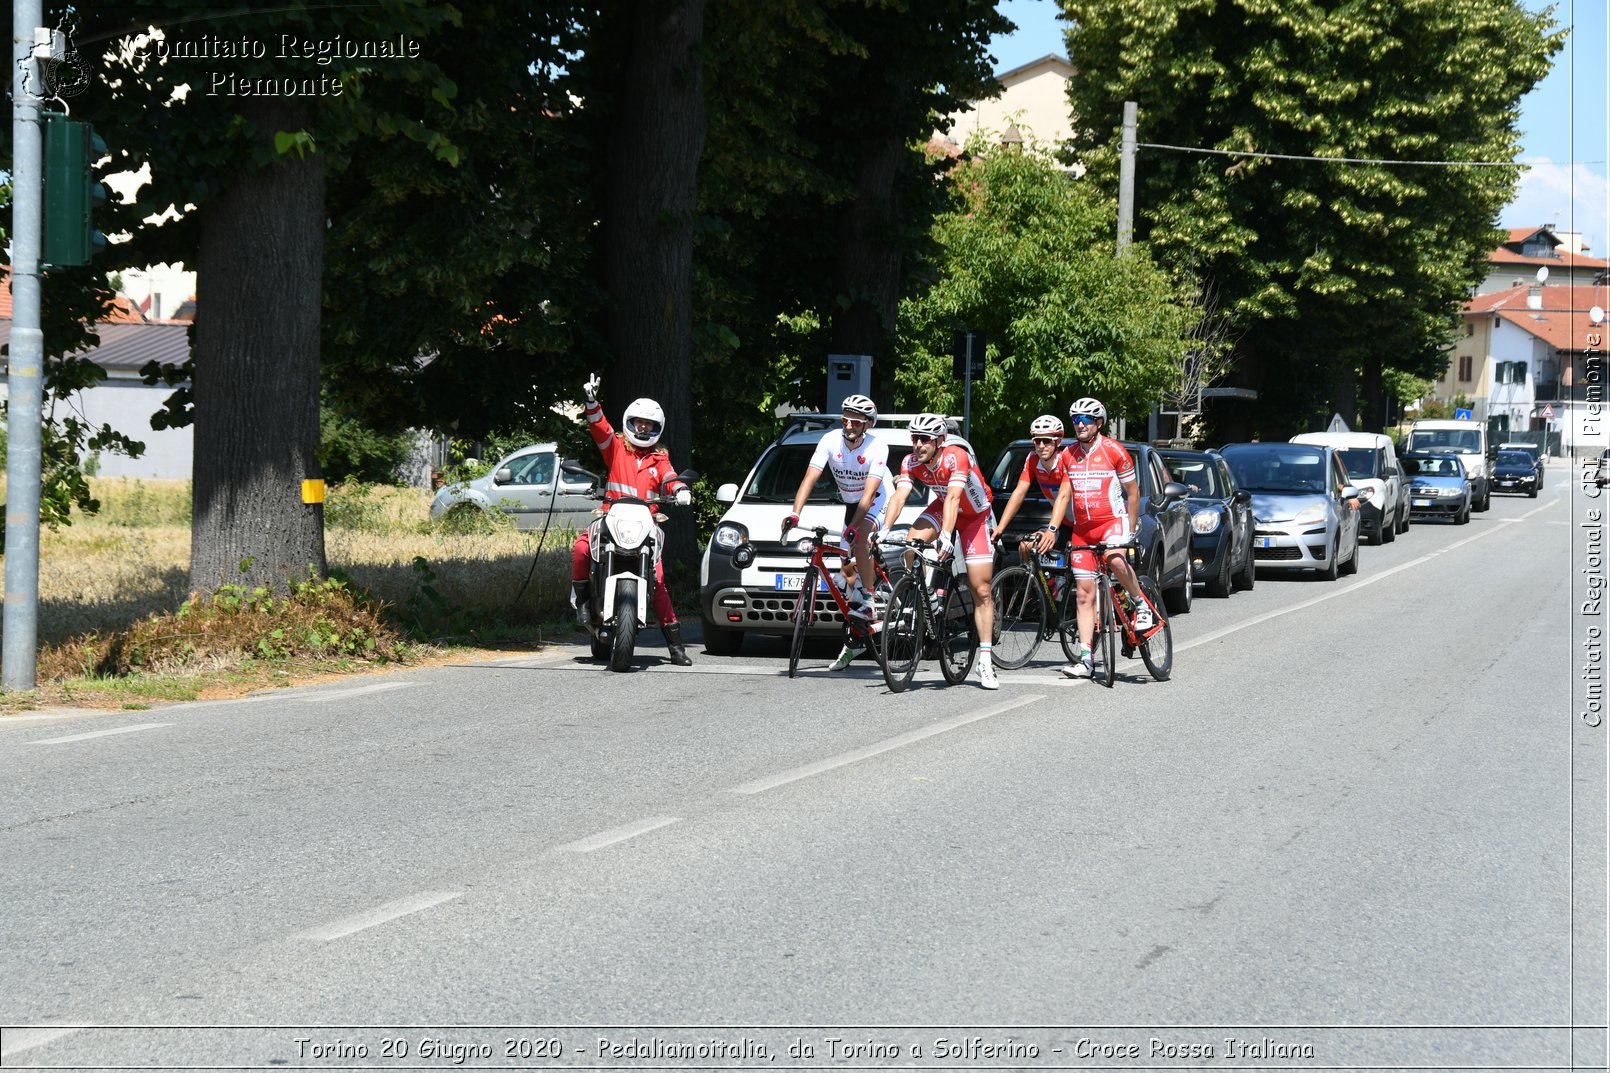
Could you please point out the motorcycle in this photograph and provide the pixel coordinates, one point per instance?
(626, 542)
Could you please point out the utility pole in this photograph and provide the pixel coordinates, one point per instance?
(24, 380)
(1126, 181)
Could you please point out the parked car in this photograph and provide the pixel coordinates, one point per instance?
(1439, 486)
(1221, 520)
(1372, 467)
(1532, 451)
(533, 486)
(1515, 471)
(756, 595)
(1302, 504)
(1164, 540)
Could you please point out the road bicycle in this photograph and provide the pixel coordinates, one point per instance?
(927, 622)
(820, 581)
(1030, 609)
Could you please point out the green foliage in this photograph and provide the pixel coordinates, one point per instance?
(351, 450)
(355, 506)
(1325, 267)
(1027, 254)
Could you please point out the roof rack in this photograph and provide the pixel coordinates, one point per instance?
(810, 420)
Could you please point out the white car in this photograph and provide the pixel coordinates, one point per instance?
(758, 596)
(1372, 467)
(533, 487)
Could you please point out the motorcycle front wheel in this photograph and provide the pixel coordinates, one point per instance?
(620, 653)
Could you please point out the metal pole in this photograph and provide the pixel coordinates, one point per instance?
(1126, 181)
(24, 384)
(967, 392)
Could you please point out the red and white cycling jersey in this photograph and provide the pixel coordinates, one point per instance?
(953, 467)
(1049, 480)
(852, 469)
(1097, 475)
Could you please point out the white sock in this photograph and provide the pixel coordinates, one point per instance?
(986, 652)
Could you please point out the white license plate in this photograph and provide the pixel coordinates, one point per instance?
(1419, 502)
(1266, 542)
(795, 582)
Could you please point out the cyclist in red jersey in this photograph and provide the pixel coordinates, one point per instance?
(637, 467)
(1046, 467)
(964, 509)
(1102, 499)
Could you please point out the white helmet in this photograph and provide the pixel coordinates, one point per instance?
(644, 410)
(861, 407)
(1090, 408)
(1046, 425)
(927, 425)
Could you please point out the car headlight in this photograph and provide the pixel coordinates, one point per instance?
(729, 535)
(1308, 515)
(1450, 493)
(1205, 521)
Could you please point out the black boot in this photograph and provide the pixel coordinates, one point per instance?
(584, 602)
(673, 641)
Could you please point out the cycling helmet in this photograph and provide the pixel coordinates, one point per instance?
(927, 425)
(861, 407)
(1046, 425)
(644, 410)
(1090, 408)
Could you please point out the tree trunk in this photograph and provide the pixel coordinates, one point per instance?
(259, 275)
(1374, 416)
(1343, 390)
(869, 256)
(652, 197)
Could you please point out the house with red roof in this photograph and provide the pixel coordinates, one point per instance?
(1526, 249)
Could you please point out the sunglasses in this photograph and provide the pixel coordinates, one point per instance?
(1083, 419)
(921, 439)
(1041, 441)
(854, 422)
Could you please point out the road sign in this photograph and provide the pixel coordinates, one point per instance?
(1337, 424)
(1462, 415)
(1548, 412)
(967, 357)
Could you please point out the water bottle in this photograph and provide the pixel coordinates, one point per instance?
(938, 601)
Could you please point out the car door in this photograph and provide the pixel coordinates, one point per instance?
(1350, 518)
(522, 487)
(1175, 517)
(1240, 515)
(1394, 488)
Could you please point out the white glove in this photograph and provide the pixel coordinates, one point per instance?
(684, 497)
(590, 388)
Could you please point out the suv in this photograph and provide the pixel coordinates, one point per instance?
(758, 595)
(1165, 520)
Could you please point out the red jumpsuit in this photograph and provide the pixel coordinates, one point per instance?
(633, 471)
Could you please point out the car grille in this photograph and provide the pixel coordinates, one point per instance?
(780, 608)
(1277, 554)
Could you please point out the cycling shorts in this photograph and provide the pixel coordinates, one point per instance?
(874, 519)
(974, 533)
(1108, 531)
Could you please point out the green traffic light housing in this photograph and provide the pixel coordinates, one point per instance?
(71, 192)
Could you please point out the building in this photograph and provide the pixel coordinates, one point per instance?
(1033, 104)
(1516, 261)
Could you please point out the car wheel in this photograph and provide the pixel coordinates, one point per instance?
(720, 641)
(1334, 569)
(1532, 494)
(1389, 530)
(1222, 583)
(1178, 600)
(1249, 570)
(1404, 518)
(1351, 566)
(1463, 517)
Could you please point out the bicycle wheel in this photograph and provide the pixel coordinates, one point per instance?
(1020, 614)
(903, 628)
(804, 617)
(1107, 638)
(958, 634)
(1157, 651)
(1067, 612)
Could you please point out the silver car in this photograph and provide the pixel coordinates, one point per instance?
(1304, 509)
(533, 487)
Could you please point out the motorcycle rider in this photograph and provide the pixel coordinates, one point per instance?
(637, 468)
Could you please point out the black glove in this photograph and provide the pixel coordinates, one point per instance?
(789, 522)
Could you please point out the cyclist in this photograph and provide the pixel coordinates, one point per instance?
(1102, 498)
(1047, 467)
(859, 462)
(963, 510)
(636, 468)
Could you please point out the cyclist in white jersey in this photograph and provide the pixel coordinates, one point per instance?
(859, 462)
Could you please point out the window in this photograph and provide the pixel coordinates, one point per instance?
(532, 469)
(1464, 367)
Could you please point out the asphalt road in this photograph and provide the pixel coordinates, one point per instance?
(1361, 827)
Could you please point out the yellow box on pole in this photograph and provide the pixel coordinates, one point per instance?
(313, 491)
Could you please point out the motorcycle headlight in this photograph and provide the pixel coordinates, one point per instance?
(626, 532)
(1205, 521)
(1308, 515)
(729, 535)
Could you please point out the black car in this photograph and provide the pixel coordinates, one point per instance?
(1164, 540)
(1515, 471)
(1221, 520)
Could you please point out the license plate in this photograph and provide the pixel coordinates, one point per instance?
(1420, 503)
(1266, 542)
(795, 582)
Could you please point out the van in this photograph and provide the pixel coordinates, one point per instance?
(1468, 440)
(1372, 465)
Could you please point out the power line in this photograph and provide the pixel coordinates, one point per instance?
(1347, 159)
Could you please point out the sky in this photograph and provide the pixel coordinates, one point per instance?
(1563, 121)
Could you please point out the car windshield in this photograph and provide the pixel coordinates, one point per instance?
(783, 467)
(1200, 473)
(1514, 458)
(1438, 467)
(1277, 468)
(1362, 463)
(1464, 441)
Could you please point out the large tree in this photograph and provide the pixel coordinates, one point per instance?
(1328, 268)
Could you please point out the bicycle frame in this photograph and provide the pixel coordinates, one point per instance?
(860, 629)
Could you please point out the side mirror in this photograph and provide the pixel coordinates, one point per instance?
(503, 476)
(576, 487)
(688, 475)
(1176, 490)
(1243, 496)
(1349, 492)
(727, 493)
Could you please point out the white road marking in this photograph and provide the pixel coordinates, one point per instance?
(16, 1040)
(855, 756)
(619, 834)
(1357, 583)
(379, 915)
(342, 694)
(99, 734)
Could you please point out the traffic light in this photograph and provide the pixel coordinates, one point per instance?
(71, 192)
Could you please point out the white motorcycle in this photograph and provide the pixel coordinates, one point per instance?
(626, 542)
